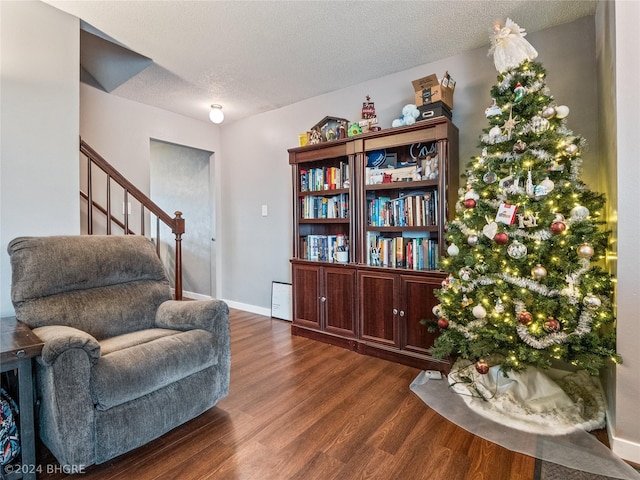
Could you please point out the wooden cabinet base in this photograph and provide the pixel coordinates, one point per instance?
(411, 359)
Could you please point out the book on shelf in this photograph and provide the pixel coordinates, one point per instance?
(322, 247)
(414, 253)
(415, 210)
(324, 178)
(336, 206)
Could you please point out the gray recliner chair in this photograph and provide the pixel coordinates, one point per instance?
(122, 362)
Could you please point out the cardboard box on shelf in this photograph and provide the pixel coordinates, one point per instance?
(428, 90)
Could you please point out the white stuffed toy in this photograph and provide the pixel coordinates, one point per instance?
(409, 115)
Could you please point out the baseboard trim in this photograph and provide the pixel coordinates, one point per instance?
(625, 449)
(245, 307)
(193, 295)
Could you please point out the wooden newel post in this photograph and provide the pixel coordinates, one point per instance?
(178, 230)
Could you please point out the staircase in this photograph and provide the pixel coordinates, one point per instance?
(107, 221)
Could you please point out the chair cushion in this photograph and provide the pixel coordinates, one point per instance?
(137, 365)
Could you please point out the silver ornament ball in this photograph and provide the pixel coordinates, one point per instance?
(591, 301)
(473, 239)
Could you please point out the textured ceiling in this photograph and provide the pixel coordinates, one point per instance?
(256, 56)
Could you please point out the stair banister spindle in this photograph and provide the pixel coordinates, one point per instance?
(89, 199)
(109, 204)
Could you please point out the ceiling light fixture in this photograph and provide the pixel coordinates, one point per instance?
(216, 115)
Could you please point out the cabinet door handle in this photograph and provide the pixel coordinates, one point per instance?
(395, 311)
(402, 313)
(323, 299)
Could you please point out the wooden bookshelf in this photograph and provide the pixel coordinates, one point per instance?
(391, 223)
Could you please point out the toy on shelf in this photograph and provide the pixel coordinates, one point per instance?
(409, 115)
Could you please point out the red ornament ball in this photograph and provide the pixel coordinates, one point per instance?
(558, 227)
(481, 367)
(551, 325)
(525, 318)
(501, 238)
(443, 323)
(469, 203)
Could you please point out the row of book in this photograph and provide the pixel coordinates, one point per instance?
(325, 178)
(415, 210)
(402, 252)
(323, 247)
(336, 206)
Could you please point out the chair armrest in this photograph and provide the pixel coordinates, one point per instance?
(59, 339)
(189, 315)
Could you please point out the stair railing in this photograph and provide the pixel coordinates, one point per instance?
(176, 224)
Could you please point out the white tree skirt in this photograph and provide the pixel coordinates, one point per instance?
(553, 402)
(522, 417)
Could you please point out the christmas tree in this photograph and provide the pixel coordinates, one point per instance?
(523, 285)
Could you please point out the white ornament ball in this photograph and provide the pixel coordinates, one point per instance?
(437, 310)
(562, 111)
(479, 311)
(585, 250)
(539, 124)
(471, 194)
(591, 301)
(517, 250)
(547, 184)
(453, 250)
(579, 213)
(548, 112)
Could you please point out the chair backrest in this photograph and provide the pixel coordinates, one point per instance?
(103, 285)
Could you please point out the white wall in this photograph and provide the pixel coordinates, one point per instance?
(618, 60)
(256, 171)
(39, 79)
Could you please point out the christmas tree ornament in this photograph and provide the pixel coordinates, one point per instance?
(551, 325)
(571, 149)
(528, 185)
(495, 133)
(473, 240)
(482, 367)
(437, 310)
(585, 250)
(443, 323)
(506, 213)
(591, 301)
(519, 92)
(510, 125)
(479, 312)
(562, 111)
(548, 112)
(493, 110)
(557, 227)
(499, 308)
(471, 194)
(501, 238)
(528, 220)
(489, 177)
(579, 213)
(517, 250)
(519, 147)
(538, 272)
(539, 124)
(490, 230)
(453, 250)
(547, 184)
(509, 47)
(524, 317)
(469, 203)
(465, 274)
(466, 301)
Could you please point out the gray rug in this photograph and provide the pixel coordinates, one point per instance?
(552, 471)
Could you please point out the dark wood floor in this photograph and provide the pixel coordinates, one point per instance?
(300, 409)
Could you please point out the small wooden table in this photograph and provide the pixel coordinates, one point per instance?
(18, 346)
